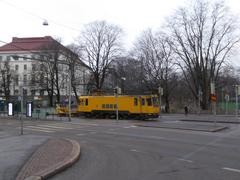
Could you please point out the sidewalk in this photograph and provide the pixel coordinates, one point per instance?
(51, 158)
(202, 118)
(35, 157)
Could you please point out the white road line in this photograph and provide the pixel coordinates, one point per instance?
(88, 124)
(80, 134)
(133, 126)
(134, 150)
(32, 129)
(57, 127)
(38, 127)
(186, 160)
(231, 169)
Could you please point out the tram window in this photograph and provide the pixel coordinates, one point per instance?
(115, 106)
(103, 106)
(155, 101)
(149, 101)
(135, 101)
(111, 106)
(107, 106)
(143, 102)
(86, 102)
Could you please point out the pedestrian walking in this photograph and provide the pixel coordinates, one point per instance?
(186, 110)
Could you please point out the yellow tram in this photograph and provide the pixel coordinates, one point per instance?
(137, 107)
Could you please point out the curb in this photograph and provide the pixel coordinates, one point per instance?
(69, 160)
(208, 121)
(191, 129)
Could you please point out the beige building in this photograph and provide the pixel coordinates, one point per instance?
(32, 64)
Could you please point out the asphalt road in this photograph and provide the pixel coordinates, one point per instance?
(121, 150)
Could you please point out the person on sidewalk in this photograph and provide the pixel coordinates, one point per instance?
(186, 110)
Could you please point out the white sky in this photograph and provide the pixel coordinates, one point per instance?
(24, 18)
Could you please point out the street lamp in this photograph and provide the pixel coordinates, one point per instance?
(123, 79)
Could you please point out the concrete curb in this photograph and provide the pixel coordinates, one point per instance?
(191, 129)
(69, 160)
(210, 121)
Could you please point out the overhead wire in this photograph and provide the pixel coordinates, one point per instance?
(39, 17)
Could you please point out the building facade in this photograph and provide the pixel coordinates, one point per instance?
(40, 67)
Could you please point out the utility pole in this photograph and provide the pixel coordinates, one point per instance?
(21, 113)
(69, 93)
(160, 92)
(236, 92)
(116, 93)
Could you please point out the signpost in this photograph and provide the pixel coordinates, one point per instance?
(213, 98)
(160, 92)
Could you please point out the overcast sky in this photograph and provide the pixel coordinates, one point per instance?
(24, 18)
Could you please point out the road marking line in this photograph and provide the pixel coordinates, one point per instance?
(32, 129)
(38, 127)
(56, 127)
(186, 160)
(231, 169)
(80, 134)
(134, 150)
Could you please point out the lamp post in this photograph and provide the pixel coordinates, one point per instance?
(160, 92)
(123, 79)
(22, 89)
(236, 92)
(69, 93)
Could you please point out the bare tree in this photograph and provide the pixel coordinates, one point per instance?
(6, 77)
(126, 73)
(155, 52)
(50, 66)
(100, 43)
(203, 35)
(78, 69)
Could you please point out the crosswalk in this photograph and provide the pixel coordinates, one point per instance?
(57, 127)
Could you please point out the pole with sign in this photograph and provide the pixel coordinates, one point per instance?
(160, 92)
(213, 100)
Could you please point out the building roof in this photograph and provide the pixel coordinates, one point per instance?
(27, 44)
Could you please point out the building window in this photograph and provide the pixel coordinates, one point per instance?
(24, 57)
(16, 67)
(8, 58)
(41, 92)
(33, 79)
(25, 67)
(33, 67)
(24, 79)
(16, 80)
(25, 92)
(33, 92)
(16, 92)
(0, 58)
(15, 58)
